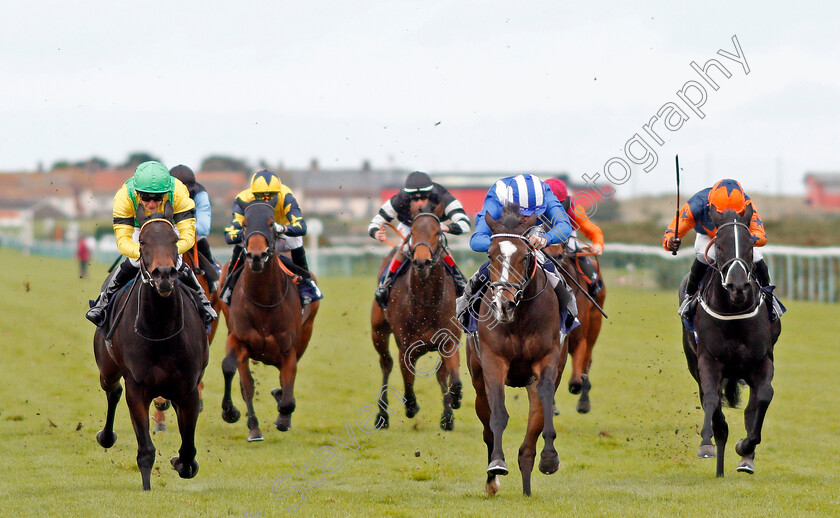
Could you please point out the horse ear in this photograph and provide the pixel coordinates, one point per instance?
(140, 214)
(748, 214)
(717, 217)
(492, 223)
(168, 211)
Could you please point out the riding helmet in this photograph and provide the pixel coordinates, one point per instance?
(152, 177)
(727, 195)
(418, 181)
(265, 181)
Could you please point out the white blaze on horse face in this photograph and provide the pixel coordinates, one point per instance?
(507, 249)
(738, 260)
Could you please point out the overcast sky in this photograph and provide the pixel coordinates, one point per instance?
(437, 86)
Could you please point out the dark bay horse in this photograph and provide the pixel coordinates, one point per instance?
(420, 314)
(264, 322)
(519, 345)
(159, 347)
(734, 341)
(582, 338)
(192, 260)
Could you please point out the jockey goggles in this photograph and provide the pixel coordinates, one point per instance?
(150, 196)
(264, 196)
(417, 196)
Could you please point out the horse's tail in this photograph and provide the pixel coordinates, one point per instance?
(732, 392)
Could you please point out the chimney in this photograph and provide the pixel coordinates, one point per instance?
(313, 165)
(366, 166)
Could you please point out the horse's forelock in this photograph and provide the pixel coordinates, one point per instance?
(510, 216)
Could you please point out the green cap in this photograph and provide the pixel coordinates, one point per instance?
(152, 177)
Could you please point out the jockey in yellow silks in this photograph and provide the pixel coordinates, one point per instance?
(149, 190)
(289, 226)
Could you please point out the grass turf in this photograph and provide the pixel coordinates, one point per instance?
(634, 455)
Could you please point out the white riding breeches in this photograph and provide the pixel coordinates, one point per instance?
(703, 241)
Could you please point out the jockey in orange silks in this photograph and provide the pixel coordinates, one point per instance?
(724, 195)
(580, 221)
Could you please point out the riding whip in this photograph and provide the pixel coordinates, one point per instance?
(677, 230)
(574, 280)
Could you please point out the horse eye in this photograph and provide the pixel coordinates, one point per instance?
(142, 242)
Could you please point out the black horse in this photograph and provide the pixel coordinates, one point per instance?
(733, 341)
(159, 346)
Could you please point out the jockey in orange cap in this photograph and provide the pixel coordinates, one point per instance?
(580, 221)
(724, 195)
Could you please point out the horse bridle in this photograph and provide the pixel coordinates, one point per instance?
(145, 276)
(268, 239)
(436, 252)
(517, 288)
(725, 269)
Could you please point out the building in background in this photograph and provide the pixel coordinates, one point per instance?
(822, 190)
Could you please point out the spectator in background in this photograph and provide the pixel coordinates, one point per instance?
(83, 255)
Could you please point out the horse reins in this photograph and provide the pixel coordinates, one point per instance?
(726, 267)
(518, 288)
(436, 252)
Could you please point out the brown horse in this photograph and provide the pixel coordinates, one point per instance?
(518, 345)
(420, 314)
(158, 346)
(582, 339)
(264, 322)
(162, 404)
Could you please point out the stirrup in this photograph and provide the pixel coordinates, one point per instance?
(687, 305)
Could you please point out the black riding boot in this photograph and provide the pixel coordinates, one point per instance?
(211, 273)
(762, 274)
(124, 273)
(566, 302)
(299, 258)
(208, 314)
(234, 269)
(467, 303)
(383, 291)
(689, 303)
(458, 277)
(588, 269)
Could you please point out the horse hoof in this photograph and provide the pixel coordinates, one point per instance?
(283, 422)
(575, 387)
(549, 464)
(159, 427)
(554, 410)
(497, 467)
(255, 435)
(746, 466)
(493, 485)
(183, 470)
(447, 422)
(200, 406)
(231, 415)
(583, 407)
(706, 451)
(163, 407)
(456, 391)
(411, 408)
(382, 420)
(106, 442)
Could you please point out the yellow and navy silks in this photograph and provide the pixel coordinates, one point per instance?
(286, 213)
(126, 204)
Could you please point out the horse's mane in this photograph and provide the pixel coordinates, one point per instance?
(510, 216)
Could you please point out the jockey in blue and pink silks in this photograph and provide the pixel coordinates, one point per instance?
(553, 227)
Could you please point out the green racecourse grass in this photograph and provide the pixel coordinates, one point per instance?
(634, 455)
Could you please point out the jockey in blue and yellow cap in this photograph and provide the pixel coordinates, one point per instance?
(532, 196)
(289, 226)
(724, 195)
(149, 190)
